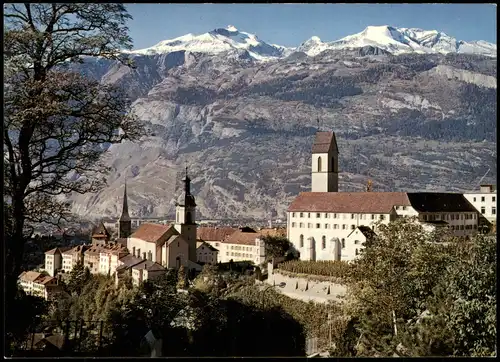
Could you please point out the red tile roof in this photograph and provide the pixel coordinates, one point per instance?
(44, 279)
(53, 251)
(324, 141)
(151, 232)
(241, 237)
(30, 276)
(348, 202)
(214, 233)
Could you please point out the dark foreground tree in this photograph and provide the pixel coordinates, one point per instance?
(56, 121)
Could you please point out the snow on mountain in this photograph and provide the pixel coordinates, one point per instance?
(217, 41)
(399, 41)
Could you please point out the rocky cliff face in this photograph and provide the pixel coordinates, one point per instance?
(245, 128)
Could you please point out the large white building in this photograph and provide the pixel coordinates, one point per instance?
(485, 201)
(320, 223)
(37, 284)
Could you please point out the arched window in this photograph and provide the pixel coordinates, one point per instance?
(323, 242)
(301, 240)
(343, 243)
(319, 164)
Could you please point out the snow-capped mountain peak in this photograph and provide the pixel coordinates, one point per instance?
(400, 40)
(217, 41)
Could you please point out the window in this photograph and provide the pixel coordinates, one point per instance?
(474, 199)
(308, 215)
(227, 253)
(293, 224)
(352, 216)
(397, 207)
(382, 217)
(323, 242)
(327, 215)
(319, 164)
(293, 214)
(335, 226)
(461, 217)
(494, 210)
(309, 225)
(356, 252)
(482, 198)
(425, 217)
(493, 198)
(483, 210)
(318, 226)
(318, 215)
(344, 226)
(404, 207)
(327, 226)
(461, 227)
(216, 244)
(356, 242)
(334, 216)
(353, 227)
(301, 225)
(343, 243)
(301, 243)
(301, 214)
(373, 217)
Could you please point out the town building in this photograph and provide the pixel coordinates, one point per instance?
(72, 256)
(319, 221)
(38, 284)
(146, 270)
(54, 261)
(485, 201)
(214, 235)
(100, 235)
(242, 245)
(206, 253)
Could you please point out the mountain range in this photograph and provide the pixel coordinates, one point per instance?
(413, 110)
(391, 39)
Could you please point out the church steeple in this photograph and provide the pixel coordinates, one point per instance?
(185, 216)
(125, 223)
(125, 216)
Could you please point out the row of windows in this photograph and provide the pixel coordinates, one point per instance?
(323, 242)
(449, 217)
(483, 199)
(244, 248)
(326, 226)
(243, 255)
(462, 227)
(493, 210)
(345, 216)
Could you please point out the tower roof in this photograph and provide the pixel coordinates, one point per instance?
(125, 216)
(325, 142)
(186, 198)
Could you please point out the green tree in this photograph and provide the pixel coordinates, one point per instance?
(78, 278)
(56, 119)
(276, 246)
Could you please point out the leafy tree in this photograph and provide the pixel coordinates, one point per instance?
(276, 246)
(78, 278)
(410, 296)
(56, 120)
(181, 278)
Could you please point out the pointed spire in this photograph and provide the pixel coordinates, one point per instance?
(125, 216)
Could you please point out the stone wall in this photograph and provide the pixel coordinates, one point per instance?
(304, 288)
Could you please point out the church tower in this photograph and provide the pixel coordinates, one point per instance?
(125, 223)
(185, 216)
(324, 167)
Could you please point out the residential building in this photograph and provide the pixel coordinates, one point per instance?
(485, 201)
(146, 270)
(214, 235)
(72, 256)
(37, 284)
(53, 260)
(242, 245)
(206, 253)
(125, 265)
(109, 256)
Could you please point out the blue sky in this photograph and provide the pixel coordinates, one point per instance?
(291, 24)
